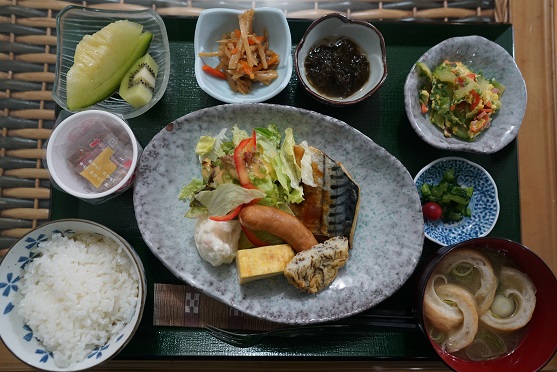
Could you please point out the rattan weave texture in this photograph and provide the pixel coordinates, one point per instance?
(28, 58)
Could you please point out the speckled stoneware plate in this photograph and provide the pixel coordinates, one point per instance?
(389, 235)
(484, 202)
(480, 55)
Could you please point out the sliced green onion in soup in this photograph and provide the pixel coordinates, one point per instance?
(462, 269)
(487, 345)
(436, 335)
(478, 350)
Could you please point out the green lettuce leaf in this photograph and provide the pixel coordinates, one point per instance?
(306, 167)
(269, 153)
(205, 145)
(271, 190)
(196, 212)
(226, 197)
(270, 134)
(238, 135)
(212, 148)
(290, 168)
(191, 189)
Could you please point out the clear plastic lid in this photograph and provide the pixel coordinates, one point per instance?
(92, 154)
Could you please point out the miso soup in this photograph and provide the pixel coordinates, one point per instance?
(477, 304)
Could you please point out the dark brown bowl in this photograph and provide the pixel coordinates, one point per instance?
(367, 37)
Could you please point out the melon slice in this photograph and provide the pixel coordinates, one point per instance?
(102, 59)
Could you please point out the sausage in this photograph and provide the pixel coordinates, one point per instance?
(279, 223)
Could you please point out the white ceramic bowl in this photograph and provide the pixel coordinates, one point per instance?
(484, 202)
(210, 27)
(367, 37)
(480, 55)
(80, 127)
(74, 22)
(18, 337)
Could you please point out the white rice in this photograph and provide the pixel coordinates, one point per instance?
(79, 293)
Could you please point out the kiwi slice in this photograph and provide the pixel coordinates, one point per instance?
(138, 84)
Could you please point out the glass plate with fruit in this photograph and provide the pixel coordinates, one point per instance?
(117, 61)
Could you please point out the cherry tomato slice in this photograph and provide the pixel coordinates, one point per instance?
(432, 211)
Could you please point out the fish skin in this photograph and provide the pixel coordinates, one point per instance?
(331, 208)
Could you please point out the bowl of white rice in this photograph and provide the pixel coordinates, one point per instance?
(72, 294)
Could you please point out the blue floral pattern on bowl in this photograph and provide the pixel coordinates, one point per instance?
(484, 203)
(17, 335)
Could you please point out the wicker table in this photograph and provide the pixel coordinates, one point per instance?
(27, 70)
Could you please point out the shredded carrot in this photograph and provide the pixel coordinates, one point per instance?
(213, 71)
(244, 56)
(256, 40)
(274, 59)
(247, 69)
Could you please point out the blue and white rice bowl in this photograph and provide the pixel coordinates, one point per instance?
(484, 202)
(19, 337)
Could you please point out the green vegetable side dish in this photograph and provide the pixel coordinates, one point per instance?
(450, 195)
(459, 101)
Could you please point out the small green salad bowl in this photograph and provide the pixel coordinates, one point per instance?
(482, 57)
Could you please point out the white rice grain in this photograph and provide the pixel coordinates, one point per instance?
(77, 294)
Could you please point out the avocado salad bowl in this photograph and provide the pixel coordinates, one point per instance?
(466, 94)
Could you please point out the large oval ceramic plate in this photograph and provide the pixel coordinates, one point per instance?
(389, 235)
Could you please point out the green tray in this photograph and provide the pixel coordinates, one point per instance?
(382, 118)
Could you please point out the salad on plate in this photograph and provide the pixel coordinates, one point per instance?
(246, 167)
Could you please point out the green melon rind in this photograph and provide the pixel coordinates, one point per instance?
(111, 85)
